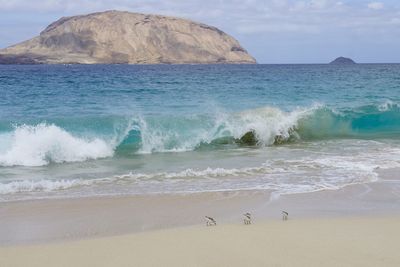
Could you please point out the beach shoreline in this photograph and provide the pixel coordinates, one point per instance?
(58, 220)
(356, 225)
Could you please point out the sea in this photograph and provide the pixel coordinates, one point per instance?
(70, 131)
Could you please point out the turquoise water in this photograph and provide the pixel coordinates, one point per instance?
(78, 130)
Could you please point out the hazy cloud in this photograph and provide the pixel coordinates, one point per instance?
(246, 16)
(375, 5)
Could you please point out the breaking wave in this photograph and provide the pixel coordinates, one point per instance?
(46, 143)
(42, 144)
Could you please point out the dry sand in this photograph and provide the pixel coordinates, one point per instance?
(303, 242)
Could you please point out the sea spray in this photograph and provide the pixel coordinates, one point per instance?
(45, 143)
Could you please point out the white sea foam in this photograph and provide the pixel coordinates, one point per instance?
(41, 185)
(54, 185)
(288, 176)
(191, 173)
(387, 105)
(44, 143)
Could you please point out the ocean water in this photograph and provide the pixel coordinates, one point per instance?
(81, 130)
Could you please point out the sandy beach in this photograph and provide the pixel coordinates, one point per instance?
(354, 226)
(321, 242)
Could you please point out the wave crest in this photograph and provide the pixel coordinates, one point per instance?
(45, 143)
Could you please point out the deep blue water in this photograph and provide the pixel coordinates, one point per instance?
(68, 126)
(57, 91)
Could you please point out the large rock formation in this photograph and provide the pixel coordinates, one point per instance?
(342, 61)
(123, 37)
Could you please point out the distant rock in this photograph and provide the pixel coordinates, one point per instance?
(117, 37)
(342, 61)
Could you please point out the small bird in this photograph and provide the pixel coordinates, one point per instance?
(210, 221)
(285, 215)
(247, 218)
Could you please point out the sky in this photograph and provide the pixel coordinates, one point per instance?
(273, 31)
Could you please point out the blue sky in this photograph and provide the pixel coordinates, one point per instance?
(273, 31)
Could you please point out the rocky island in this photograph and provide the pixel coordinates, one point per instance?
(342, 61)
(117, 37)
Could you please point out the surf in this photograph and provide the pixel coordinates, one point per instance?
(48, 142)
(43, 144)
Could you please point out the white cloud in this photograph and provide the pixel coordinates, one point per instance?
(277, 28)
(375, 5)
(320, 4)
(234, 16)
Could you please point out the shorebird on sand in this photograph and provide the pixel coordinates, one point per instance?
(285, 215)
(247, 218)
(210, 221)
